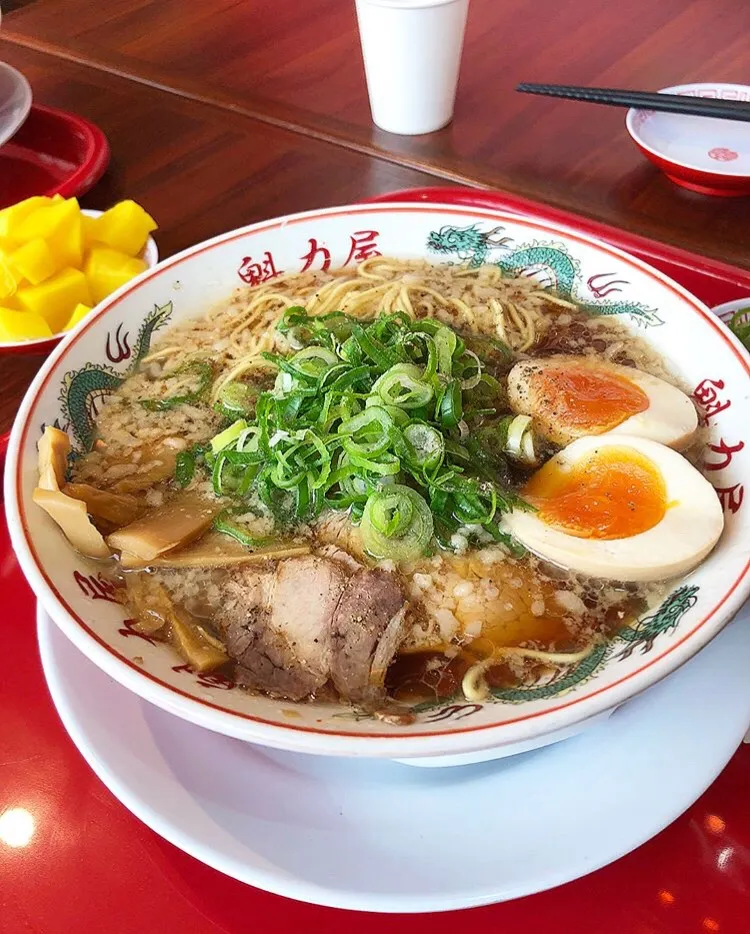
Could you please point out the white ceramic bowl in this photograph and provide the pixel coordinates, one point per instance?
(78, 595)
(703, 154)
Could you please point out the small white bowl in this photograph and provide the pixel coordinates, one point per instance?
(702, 154)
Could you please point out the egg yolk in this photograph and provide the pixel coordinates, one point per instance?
(593, 400)
(616, 492)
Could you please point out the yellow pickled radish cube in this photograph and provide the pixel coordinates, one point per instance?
(78, 315)
(66, 241)
(44, 220)
(34, 261)
(58, 223)
(11, 301)
(88, 229)
(125, 227)
(56, 297)
(106, 270)
(8, 283)
(12, 217)
(22, 325)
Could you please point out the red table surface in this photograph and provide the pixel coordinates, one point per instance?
(91, 866)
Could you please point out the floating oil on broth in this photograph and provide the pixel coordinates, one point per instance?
(507, 603)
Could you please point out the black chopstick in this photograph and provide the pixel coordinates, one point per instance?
(645, 100)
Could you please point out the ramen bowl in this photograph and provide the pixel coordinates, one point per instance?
(703, 154)
(81, 595)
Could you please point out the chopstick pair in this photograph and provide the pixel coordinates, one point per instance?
(645, 100)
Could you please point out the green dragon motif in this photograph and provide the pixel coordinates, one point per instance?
(83, 390)
(152, 323)
(474, 247)
(644, 633)
(567, 679)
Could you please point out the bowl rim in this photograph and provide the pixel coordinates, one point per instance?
(41, 345)
(564, 712)
(22, 82)
(671, 160)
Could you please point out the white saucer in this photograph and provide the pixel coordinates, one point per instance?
(15, 101)
(378, 836)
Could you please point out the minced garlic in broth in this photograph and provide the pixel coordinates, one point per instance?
(466, 607)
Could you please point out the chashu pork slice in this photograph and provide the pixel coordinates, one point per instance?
(294, 624)
(277, 624)
(367, 630)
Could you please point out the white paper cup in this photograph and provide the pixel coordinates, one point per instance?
(412, 54)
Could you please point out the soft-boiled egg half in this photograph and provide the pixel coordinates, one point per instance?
(621, 508)
(571, 397)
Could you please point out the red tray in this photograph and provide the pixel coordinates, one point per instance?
(54, 152)
(712, 281)
(92, 866)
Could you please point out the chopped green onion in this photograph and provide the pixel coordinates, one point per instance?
(398, 415)
(314, 360)
(427, 443)
(519, 443)
(445, 342)
(186, 463)
(402, 385)
(226, 437)
(472, 380)
(450, 408)
(233, 530)
(370, 347)
(204, 373)
(236, 399)
(396, 524)
(369, 433)
(386, 465)
(359, 413)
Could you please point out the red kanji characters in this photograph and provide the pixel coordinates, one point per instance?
(731, 497)
(130, 630)
(726, 450)
(707, 397)
(206, 680)
(256, 272)
(215, 679)
(312, 255)
(364, 246)
(96, 588)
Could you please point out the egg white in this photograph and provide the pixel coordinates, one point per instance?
(671, 417)
(690, 528)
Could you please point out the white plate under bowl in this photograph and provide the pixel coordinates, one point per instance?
(15, 101)
(377, 836)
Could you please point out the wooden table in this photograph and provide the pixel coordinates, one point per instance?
(199, 170)
(249, 135)
(298, 65)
